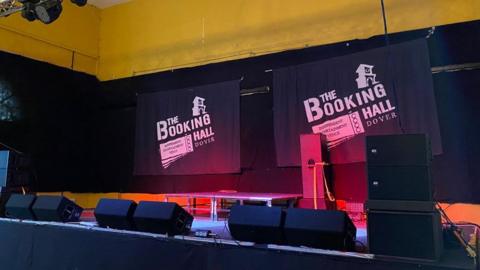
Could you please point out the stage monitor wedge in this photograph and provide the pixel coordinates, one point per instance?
(20, 206)
(56, 208)
(259, 224)
(162, 217)
(115, 213)
(327, 229)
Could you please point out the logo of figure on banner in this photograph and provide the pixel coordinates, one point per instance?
(370, 102)
(366, 77)
(181, 138)
(198, 106)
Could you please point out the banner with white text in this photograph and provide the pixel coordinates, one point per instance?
(382, 91)
(189, 131)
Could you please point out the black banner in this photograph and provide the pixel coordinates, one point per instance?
(381, 91)
(189, 131)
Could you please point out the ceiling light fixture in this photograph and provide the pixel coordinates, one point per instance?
(46, 11)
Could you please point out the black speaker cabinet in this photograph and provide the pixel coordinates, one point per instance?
(326, 229)
(162, 217)
(56, 208)
(399, 183)
(259, 224)
(20, 206)
(398, 150)
(405, 234)
(116, 214)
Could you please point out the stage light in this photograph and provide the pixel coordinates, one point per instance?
(79, 3)
(28, 12)
(48, 11)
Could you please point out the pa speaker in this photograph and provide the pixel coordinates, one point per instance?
(56, 208)
(405, 234)
(259, 224)
(116, 214)
(399, 183)
(326, 229)
(20, 206)
(162, 217)
(398, 150)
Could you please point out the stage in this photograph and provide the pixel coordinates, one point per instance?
(51, 245)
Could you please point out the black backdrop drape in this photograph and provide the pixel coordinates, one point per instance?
(189, 131)
(374, 92)
(81, 132)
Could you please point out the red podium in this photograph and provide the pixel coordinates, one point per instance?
(313, 152)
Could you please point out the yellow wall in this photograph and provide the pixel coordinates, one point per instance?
(144, 36)
(77, 30)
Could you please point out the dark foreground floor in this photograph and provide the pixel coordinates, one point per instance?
(46, 245)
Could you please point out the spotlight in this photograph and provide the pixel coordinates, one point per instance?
(28, 12)
(48, 12)
(79, 3)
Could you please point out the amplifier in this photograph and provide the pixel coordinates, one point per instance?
(398, 150)
(399, 183)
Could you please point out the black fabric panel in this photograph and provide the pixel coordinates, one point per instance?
(456, 172)
(28, 246)
(189, 131)
(57, 106)
(326, 97)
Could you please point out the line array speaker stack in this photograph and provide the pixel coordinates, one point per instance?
(402, 218)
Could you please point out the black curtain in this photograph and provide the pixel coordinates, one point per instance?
(81, 132)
